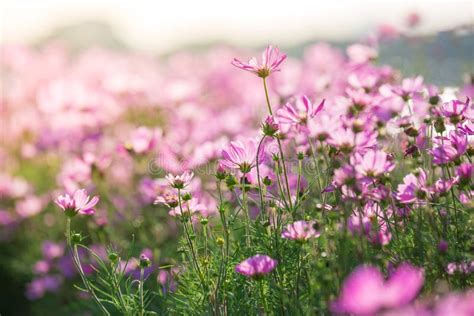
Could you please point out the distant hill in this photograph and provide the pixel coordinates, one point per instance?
(442, 59)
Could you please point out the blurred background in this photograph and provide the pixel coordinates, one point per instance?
(427, 37)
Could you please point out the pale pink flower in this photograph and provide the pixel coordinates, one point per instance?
(180, 181)
(271, 60)
(80, 203)
(360, 54)
(300, 231)
(373, 163)
(365, 292)
(189, 208)
(144, 139)
(242, 156)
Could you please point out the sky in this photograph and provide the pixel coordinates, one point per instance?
(165, 25)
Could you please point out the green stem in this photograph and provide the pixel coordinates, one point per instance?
(77, 264)
(142, 305)
(279, 146)
(246, 211)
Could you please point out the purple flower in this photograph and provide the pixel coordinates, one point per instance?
(180, 181)
(80, 202)
(256, 266)
(300, 231)
(242, 156)
(365, 292)
(271, 60)
(38, 287)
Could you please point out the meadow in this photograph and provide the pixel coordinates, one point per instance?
(208, 183)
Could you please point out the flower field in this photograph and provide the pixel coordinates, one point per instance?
(216, 183)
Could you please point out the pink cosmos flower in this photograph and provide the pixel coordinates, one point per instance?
(360, 54)
(80, 203)
(413, 19)
(256, 266)
(143, 140)
(372, 164)
(449, 148)
(271, 60)
(168, 199)
(189, 208)
(465, 172)
(454, 109)
(300, 113)
(30, 206)
(300, 231)
(409, 86)
(365, 292)
(346, 140)
(270, 126)
(414, 188)
(242, 156)
(180, 181)
(455, 304)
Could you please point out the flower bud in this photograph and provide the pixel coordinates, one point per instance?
(231, 181)
(145, 262)
(113, 257)
(76, 238)
(204, 221)
(267, 181)
(443, 246)
(187, 196)
(269, 126)
(220, 241)
(221, 172)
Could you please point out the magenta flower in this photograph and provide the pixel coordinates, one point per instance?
(454, 109)
(365, 292)
(271, 60)
(465, 172)
(449, 148)
(300, 113)
(256, 266)
(372, 164)
(180, 181)
(242, 156)
(300, 231)
(414, 188)
(80, 202)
